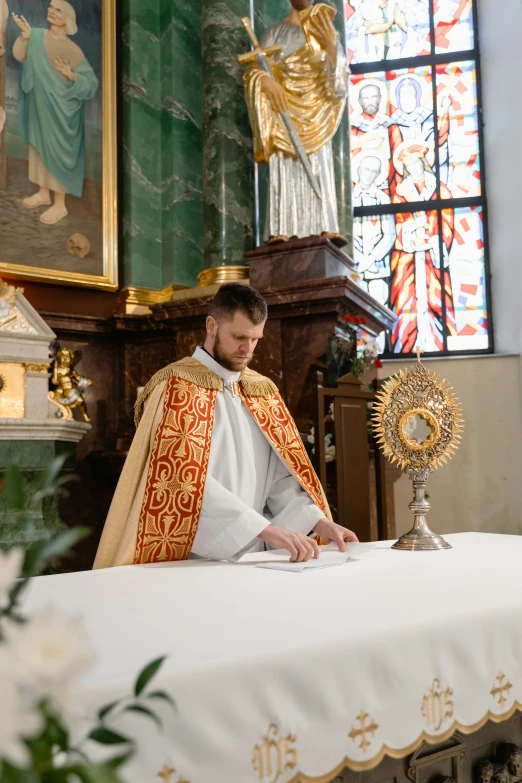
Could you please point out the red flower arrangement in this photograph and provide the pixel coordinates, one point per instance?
(353, 319)
(377, 363)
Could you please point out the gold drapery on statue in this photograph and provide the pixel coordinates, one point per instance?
(314, 106)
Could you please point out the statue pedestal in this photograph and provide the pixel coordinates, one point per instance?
(298, 260)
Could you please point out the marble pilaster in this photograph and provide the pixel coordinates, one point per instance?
(162, 147)
(227, 145)
(341, 148)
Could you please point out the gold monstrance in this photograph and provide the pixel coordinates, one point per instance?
(418, 423)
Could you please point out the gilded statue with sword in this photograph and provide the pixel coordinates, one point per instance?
(296, 84)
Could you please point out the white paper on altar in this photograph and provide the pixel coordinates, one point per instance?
(326, 560)
(388, 648)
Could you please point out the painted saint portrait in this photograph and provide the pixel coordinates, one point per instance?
(53, 176)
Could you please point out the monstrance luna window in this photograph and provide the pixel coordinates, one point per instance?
(419, 202)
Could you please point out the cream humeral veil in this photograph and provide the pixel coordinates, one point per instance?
(152, 517)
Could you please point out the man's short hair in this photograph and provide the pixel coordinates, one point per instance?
(232, 297)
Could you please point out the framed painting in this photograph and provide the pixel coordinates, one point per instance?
(58, 161)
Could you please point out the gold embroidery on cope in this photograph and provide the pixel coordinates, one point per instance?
(437, 706)
(275, 755)
(176, 477)
(501, 686)
(363, 731)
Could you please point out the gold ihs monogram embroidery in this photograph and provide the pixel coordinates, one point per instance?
(437, 706)
(275, 756)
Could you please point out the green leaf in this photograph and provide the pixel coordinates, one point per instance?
(11, 774)
(108, 737)
(146, 675)
(102, 714)
(119, 761)
(144, 711)
(14, 487)
(51, 474)
(41, 553)
(164, 696)
(64, 542)
(57, 734)
(91, 773)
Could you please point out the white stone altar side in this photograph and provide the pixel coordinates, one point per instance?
(25, 358)
(290, 676)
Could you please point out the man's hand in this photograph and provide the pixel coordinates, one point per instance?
(63, 67)
(301, 547)
(275, 94)
(329, 532)
(24, 26)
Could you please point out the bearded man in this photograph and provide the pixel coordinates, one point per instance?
(217, 467)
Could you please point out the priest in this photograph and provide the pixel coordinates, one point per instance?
(217, 467)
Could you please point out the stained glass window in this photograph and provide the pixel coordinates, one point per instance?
(416, 138)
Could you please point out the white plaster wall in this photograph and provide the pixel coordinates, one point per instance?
(481, 488)
(500, 28)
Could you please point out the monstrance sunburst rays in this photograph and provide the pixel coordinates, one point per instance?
(418, 400)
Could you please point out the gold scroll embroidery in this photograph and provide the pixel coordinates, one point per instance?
(177, 471)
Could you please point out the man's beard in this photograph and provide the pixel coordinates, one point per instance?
(371, 109)
(301, 5)
(225, 360)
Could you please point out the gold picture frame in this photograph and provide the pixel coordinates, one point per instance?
(108, 280)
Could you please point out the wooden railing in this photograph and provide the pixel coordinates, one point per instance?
(362, 490)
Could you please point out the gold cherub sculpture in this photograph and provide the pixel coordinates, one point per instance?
(69, 386)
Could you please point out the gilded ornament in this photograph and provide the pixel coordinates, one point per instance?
(69, 386)
(41, 369)
(418, 423)
(12, 390)
(11, 319)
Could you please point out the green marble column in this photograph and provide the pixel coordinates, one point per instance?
(227, 143)
(341, 149)
(162, 143)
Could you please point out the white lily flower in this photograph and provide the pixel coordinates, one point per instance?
(50, 652)
(10, 567)
(17, 720)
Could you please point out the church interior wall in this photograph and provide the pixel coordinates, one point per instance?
(480, 488)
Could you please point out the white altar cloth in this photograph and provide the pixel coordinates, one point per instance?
(277, 672)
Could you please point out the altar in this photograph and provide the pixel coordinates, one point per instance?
(397, 662)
